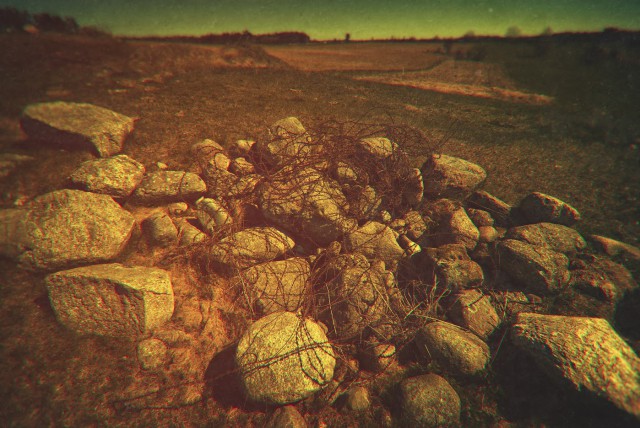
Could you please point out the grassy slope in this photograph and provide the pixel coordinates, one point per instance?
(180, 98)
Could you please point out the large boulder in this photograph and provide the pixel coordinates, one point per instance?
(536, 268)
(453, 348)
(428, 401)
(284, 358)
(375, 241)
(276, 286)
(306, 203)
(117, 176)
(586, 353)
(556, 237)
(164, 187)
(251, 246)
(77, 125)
(64, 228)
(538, 207)
(111, 299)
(451, 177)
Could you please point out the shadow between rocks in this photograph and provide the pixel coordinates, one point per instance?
(224, 385)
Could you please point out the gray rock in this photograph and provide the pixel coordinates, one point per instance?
(241, 147)
(160, 229)
(538, 207)
(358, 300)
(189, 234)
(363, 201)
(276, 286)
(379, 357)
(536, 268)
(117, 176)
(209, 152)
(487, 234)
(211, 214)
(453, 348)
(345, 174)
(511, 303)
(413, 189)
(111, 299)
(453, 226)
(286, 417)
(290, 143)
(474, 311)
(480, 217)
(428, 401)
(251, 246)
(77, 125)
(305, 202)
(614, 247)
(415, 225)
(500, 211)
(379, 147)
(164, 187)
(241, 166)
(453, 268)
(451, 177)
(284, 358)
(586, 352)
(357, 399)
(375, 241)
(65, 228)
(556, 237)
(595, 283)
(152, 354)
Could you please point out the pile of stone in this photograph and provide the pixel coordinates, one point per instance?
(327, 258)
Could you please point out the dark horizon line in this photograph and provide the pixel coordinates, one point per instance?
(606, 30)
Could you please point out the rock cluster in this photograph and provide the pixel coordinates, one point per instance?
(325, 247)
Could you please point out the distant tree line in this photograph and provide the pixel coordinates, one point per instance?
(239, 38)
(13, 20)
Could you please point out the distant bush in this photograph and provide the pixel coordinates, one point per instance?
(14, 20)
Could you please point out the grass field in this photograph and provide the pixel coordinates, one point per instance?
(581, 145)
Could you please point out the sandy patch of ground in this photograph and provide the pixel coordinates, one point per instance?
(358, 57)
(469, 78)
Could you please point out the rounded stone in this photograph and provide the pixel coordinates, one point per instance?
(284, 358)
(429, 401)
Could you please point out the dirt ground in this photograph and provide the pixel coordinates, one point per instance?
(581, 144)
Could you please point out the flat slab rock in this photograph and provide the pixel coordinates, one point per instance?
(111, 299)
(284, 358)
(65, 228)
(116, 176)
(78, 125)
(586, 352)
(556, 237)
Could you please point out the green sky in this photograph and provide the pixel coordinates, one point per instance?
(326, 19)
